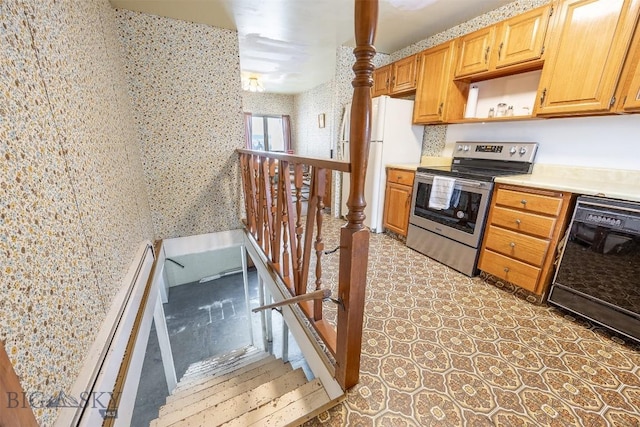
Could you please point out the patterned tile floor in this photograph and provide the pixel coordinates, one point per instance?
(443, 349)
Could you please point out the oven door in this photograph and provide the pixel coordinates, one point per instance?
(601, 258)
(463, 221)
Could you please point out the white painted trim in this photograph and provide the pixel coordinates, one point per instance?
(136, 277)
(109, 371)
(160, 275)
(132, 380)
(245, 283)
(165, 346)
(317, 363)
(202, 243)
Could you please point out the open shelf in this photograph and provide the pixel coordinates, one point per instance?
(495, 119)
(518, 90)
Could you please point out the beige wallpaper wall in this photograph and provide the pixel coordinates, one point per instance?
(310, 139)
(185, 86)
(73, 208)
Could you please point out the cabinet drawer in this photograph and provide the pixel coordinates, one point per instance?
(509, 269)
(530, 223)
(515, 245)
(400, 176)
(528, 201)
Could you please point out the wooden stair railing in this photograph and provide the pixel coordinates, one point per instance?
(276, 225)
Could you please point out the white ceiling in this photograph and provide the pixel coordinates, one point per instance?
(290, 45)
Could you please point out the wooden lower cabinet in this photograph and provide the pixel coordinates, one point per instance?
(524, 228)
(397, 203)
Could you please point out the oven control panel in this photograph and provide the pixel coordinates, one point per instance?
(507, 151)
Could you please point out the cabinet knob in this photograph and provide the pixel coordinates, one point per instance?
(399, 178)
(518, 221)
(512, 244)
(506, 269)
(523, 201)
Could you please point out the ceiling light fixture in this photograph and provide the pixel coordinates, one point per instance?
(253, 85)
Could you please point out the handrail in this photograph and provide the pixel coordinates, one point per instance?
(274, 220)
(319, 294)
(336, 165)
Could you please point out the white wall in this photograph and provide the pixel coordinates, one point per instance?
(603, 142)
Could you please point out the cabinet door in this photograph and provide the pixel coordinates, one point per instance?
(403, 75)
(521, 38)
(632, 98)
(396, 207)
(433, 80)
(381, 81)
(475, 48)
(628, 93)
(586, 53)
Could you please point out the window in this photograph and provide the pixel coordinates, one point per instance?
(268, 133)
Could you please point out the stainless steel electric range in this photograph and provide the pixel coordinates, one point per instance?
(450, 204)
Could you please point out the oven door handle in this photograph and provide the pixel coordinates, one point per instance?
(459, 181)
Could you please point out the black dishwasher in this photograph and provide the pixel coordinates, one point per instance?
(599, 272)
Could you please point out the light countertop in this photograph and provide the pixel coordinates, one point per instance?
(612, 183)
(424, 161)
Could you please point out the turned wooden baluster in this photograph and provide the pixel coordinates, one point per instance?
(255, 186)
(252, 212)
(320, 176)
(354, 238)
(265, 207)
(273, 197)
(284, 182)
(298, 182)
(246, 183)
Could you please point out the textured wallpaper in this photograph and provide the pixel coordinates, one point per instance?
(73, 209)
(310, 139)
(185, 85)
(267, 103)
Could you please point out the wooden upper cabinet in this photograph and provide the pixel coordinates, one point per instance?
(511, 46)
(396, 78)
(521, 38)
(628, 94)
(403, 75)
(381, 81)
(586, 53)
(437, 95)
(473, 55)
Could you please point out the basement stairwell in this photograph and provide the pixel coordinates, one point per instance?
(242, 388)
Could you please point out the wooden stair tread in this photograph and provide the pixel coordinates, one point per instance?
(227, 364)
(291, 408)
(213, 414)
(224, 359)
(226, 390)
(220, 376)
(203, 383)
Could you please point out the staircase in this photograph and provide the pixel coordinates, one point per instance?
(242, 388)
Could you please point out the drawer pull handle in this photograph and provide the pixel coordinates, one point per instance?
(518, 221)
(506, 269)
(399, 178)
(523, 201)
(512, 244)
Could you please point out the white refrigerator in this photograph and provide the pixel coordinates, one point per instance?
(394, 139)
